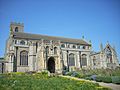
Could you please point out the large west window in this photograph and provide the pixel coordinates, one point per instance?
(109, 54)
(23, 58)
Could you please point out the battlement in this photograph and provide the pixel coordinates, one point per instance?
(17, 27)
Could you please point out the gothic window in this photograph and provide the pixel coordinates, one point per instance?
(15, 41)
(71, 60)
(110, 59)
(23, 58)
(108, 51)
(36, 46)
(84, 60)
(68, 46)
(63, 45)
(83, 47)
(16, 29)
(22, 42)
(108, 54)
(55, 50)
(94, 60)
(74, 46)
(47, 49)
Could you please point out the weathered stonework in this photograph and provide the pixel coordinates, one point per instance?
(54, 54)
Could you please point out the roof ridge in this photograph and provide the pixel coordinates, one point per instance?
(39, 36)
(50, 36)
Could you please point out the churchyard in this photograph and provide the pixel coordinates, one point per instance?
(44, 81)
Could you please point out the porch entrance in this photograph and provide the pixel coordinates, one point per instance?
(51, 65)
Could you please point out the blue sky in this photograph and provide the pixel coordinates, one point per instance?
(96, 20)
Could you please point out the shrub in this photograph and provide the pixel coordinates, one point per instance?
(69, 73)
(99, 78)
(116, 79)
(107, 79)
(76, 74)
(93, 77)
(64, 72)
(88, 78)
(44, 72)
(18, 73)
(31, 72)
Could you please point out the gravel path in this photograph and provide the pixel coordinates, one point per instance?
(109, 85)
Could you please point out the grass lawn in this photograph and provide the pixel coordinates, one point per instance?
(39, 81)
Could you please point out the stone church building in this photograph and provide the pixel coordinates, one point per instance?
(33, 52)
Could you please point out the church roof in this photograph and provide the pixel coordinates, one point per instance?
(38, 37)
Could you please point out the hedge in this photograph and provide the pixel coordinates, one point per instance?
(116, 79)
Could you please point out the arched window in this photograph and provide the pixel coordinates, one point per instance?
(68, 46)
(83, 47)
(55, 50)
(22, 42)
(109, 54)
(15, 41)
(23, 58)
(47, 49)
(71, 60)
(94, 60)
(84, 60)
(74, 46)
(36, 46)
(16, 29)
(63, 45)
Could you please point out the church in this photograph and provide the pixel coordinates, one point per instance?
(34, 52)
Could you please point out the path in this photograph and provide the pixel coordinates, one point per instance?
(109, 85)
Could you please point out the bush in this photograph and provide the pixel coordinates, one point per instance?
(75, 74)
(116, 79)
(106, 79)
(44, 72)
(31, 72)
(99, 79)
(93, 77)
(88, 78)
(69, 73)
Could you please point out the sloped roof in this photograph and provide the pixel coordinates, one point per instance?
(38, 37)
(95, 53)
(108, 45)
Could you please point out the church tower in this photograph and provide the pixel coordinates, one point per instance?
(16, 27)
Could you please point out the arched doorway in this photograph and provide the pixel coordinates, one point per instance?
(51, 65)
